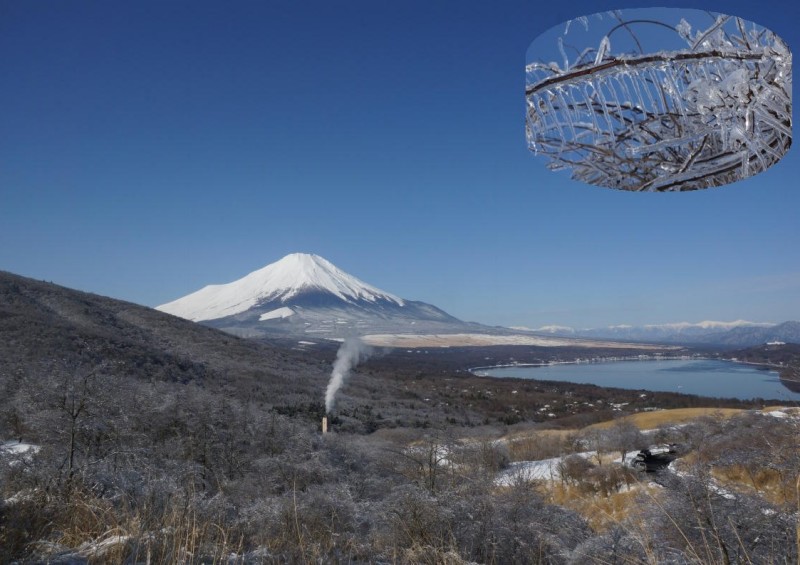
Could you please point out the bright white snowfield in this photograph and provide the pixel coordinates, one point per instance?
(281, 281)
(282, 312)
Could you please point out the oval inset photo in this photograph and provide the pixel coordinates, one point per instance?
(659, 99)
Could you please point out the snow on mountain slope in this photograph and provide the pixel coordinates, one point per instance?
(708, 325)
(283, 312)
(738, 332)
(553, 329)
(281, 281)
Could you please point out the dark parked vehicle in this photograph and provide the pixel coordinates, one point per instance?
(655, 458)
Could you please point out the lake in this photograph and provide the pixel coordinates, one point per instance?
(705, 377)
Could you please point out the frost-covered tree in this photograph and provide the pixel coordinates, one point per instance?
(704, 104)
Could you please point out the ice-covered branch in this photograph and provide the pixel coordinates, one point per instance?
(707, 115)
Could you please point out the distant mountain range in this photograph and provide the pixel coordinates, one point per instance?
(306, 294)
(739, 333)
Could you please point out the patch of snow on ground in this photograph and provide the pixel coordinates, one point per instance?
(16, 447)
(548, 469)
(283, 312)
(541, 470)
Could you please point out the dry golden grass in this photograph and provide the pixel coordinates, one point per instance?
(104, 533)
(603, 511)
(787, 409)
(768, 483)
(543, 444)
(650, 420)
(599, 510)
(531, 445)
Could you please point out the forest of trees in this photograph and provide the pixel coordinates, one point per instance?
(154, 440)
(176, 474)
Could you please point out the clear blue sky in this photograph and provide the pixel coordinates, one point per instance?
(150, 148)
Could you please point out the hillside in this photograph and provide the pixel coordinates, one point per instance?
(783, 356)
(48, 332)
(127, 434)
(45, 328)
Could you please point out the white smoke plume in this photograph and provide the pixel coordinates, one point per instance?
(350, 354)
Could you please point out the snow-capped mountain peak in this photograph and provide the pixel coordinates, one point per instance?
(281, 281)
(305, 271)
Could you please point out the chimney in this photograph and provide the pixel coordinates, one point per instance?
(324, 424)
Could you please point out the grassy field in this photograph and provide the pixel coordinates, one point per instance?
(650, 420)
(604, 507)
(601, 510)
(529, 445)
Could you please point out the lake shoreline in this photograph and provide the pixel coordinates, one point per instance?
(766, 366)
(699, 375)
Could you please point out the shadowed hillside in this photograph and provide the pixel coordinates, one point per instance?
(44, 327)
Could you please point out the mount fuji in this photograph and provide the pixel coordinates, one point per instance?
(306, 294)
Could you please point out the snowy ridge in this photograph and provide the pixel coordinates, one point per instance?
(740, 333)
(709, 325)
(552, 329)
(678, 326)
(280, 281)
